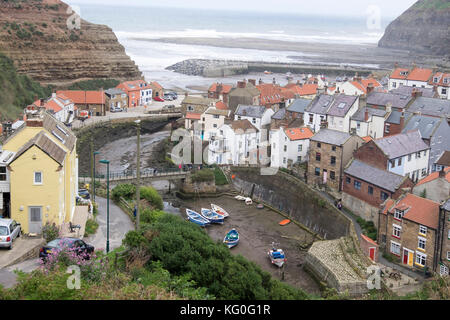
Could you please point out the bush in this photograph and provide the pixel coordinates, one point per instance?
(50, 232)
(152, 196)
(91, 227)
(220, 177)
(204, 175)
(126, 191)
(151, 216)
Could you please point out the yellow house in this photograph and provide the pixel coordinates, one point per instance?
(43, 173)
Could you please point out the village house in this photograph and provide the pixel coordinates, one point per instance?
(299, 90)
(157, 91)
(116, 98)
(389, 101)
(443, 161)
(366, 188)
(43, 173)
(219, 91)
(235, 144)
(435, 186)
(444, 239)
(197, 105)
(394, 124)
(6, 157)
(408, 230)
(271, 95)
(430, 107)
(403, 154)
(441, 81)
(357, 86)
(369, 122)
(296, 109)
(289, 146)
(434, 131)
(92, 101)
(139, 92)
(245, 93)
(340, 112)
(316, 113)
(407, 91)
(192, 123)
(413, 77)
(279, 118)
(211, 120)
(258, 116)
(329, 153)
(59, 105)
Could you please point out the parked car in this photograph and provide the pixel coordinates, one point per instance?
(9, 231)
(116, 109)
(158, 99)
(168, 97)
(173, 94)
(78, 245)
(84, 193)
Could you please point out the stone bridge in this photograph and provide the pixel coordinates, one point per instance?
(145, 176)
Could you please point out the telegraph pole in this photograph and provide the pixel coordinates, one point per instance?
(138, 172)
(92, 169)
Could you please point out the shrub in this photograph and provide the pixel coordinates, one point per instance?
(151, 216)
(50, 232)
(203, 175)
(91, 227)
(126, 191)
(152, 196)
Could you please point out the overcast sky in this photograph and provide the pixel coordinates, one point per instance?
(389, 8)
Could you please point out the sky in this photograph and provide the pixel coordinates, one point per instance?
(387, 8)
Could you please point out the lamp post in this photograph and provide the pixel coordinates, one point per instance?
(138, 172)
(107, 203)
(95, 153)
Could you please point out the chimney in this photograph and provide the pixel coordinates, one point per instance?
(362, 101)
(298, 82)
(241, 84)
(252, 81)
(260, 81)
(35, 123)
(219, 87)
(402, 120)
(389, 107)
(416, 93)
(274, 81)
(366, 115)
(370, 88)
(42, 102)
(396, 65)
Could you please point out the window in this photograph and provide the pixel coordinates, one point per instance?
(395, 248)
(348, 180)
(394, 84)
(214, 125)
(300, 148)
(418, 155)
(3, 174)
(423, 230)
(299, 159)
(422, 243)
(387, 128)
(370, 190)
(317, 172)
(396, 231)
(424, 172)
(38, 178)
(357, 185)
(333, 160)
(318, 156)
(392, 163)
(190, 108)
(311, 118)
(285, 148)
(383, 196)
(444, 91)
(448, 255)
(333, 148)
(284, 160)
(399, 163)
(216, 116)
(443, 271)
(319, 145)
(398, 214)
(254, 120)
(409, 157)
(421, 259)
(332, 175)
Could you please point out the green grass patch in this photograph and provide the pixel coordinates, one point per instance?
(91, 227)
(220, 178)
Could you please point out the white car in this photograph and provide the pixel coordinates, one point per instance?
(9, 230)
(116, 109)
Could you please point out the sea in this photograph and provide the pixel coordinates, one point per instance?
(134, 26)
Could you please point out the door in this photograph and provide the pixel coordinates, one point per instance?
(325, 173)
(405, 256)
(408, 257)
(372, 253)
(35, 223)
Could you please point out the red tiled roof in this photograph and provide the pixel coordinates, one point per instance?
(52, 105)
(362, 86)
(156, 85)
(422, 211)
(434, 176)
(441, 76)
(133, 85)
(396, 74)
(221, 105)
(269, 93)
(225, 88)
(84, 97)
(193, 116)
(299, 133)
(368, 240)
(367, 139)
(416, 74)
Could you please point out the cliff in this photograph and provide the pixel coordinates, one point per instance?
(51, 44)
(422, 29)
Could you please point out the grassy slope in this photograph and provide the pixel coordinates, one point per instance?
(16, 91)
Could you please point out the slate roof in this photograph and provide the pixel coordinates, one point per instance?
(360, 114)
(333, 137)
(320, 104)
(401, 144)
(59, 130)
(425, 124)
(299, 105)
(114, 91)
(394, 117)
(341, 105)
(250, 111)
(383, 98)
(380, 178)
(431, 106)
(243, 126)
(446, 205)
(280, 114)
(407, 91)
(439, 142)
(444, 160)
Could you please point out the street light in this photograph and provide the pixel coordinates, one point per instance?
(138, 172)
(107, 203)
(95, 153)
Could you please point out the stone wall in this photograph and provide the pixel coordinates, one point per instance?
(191, 187)
(360, 208)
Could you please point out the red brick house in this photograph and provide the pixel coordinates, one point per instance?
(219, 91)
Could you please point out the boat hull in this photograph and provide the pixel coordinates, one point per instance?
(211, 216)
(231, 239)
(219, 211)
(196, 218)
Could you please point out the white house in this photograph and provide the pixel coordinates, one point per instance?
(5, 158)
(316, 113)
(259, 116)
(236, 143)
(211, 120)
(356, 87)
(289, 146)
(62, 108)
(369, 122)
(442, 83)
(414, 77)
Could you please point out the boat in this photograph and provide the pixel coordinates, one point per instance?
(219, 210)
(260, 206)
(285, 222)
(240, 198)
(267, 72)
(248, 201)
(232, 238)
(277, 256)
(211, 216)
(196, 218)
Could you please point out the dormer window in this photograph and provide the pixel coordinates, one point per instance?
(436, 80)
(398, 214)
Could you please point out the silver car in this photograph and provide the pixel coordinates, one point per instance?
(9, 230)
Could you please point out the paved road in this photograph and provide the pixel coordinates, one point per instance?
(119, 225)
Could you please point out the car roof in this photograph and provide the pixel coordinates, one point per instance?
(5, 222)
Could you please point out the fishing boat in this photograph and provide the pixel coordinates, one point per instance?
(211, 216)
(219, 210)
(240, 198)
(196, 218)
(277, 256)
(248, 201)
(232, 238)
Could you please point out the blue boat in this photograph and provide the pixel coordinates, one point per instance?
(232, 238)
(212, 216)
(277, 256)
(196, 218)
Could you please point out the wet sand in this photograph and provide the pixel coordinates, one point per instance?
(258, 228)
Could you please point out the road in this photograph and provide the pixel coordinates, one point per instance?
(119, 224)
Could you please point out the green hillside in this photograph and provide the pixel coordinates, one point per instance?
(16, 91)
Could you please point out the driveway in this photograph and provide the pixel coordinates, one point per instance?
(119, 224)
